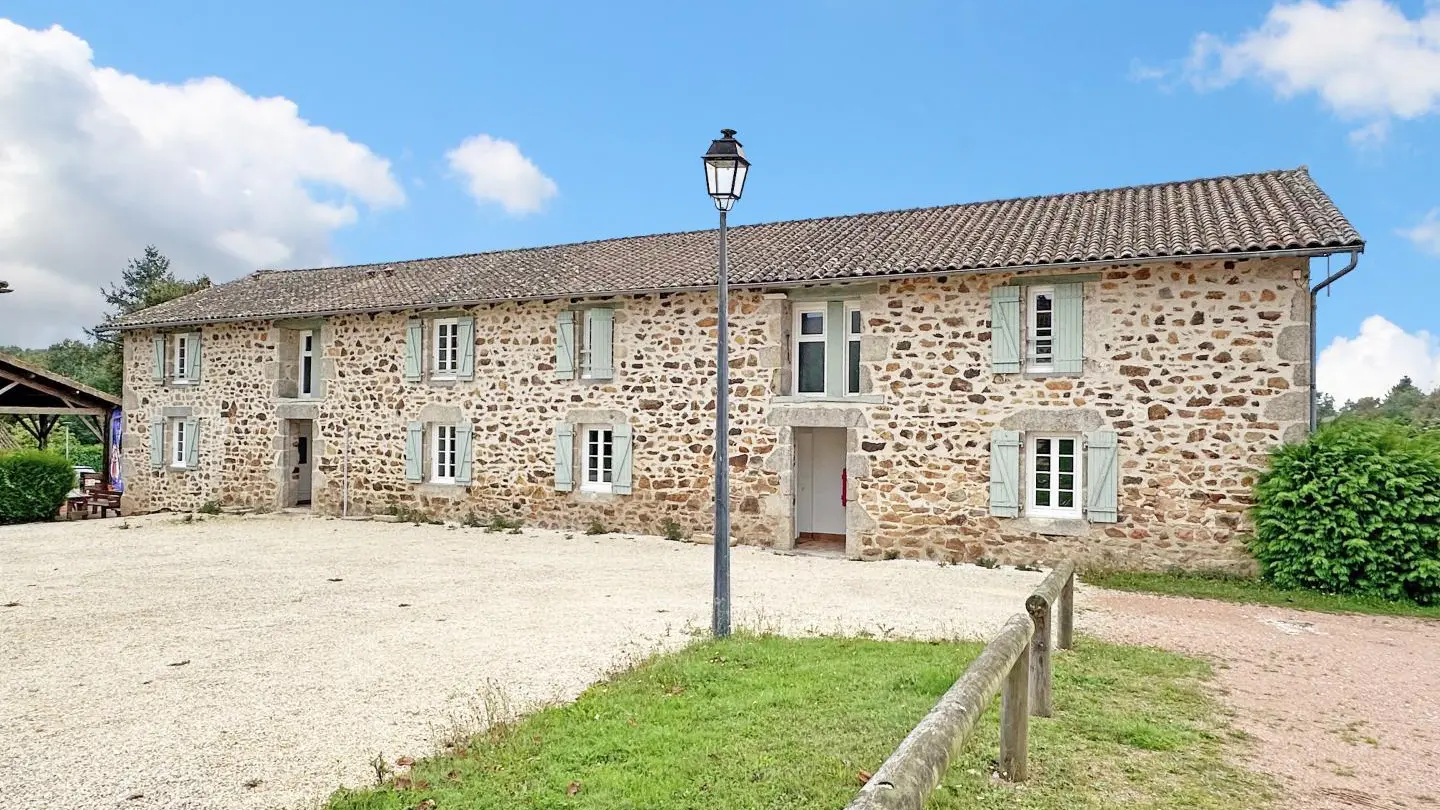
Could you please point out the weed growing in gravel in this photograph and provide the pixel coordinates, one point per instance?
(381, 767)
(408, 514)
(674, 531)
(1032, 567)
(471, 520)
(891, 554)
(124, 524)
(596, 527)
(500, 523)
(987, 562)
(209, 508)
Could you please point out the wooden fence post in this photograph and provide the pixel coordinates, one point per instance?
(1040, 611)
(1066, 627)
(1015, 721)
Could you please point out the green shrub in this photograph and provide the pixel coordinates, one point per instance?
(209, 508)
(1353, 510)
(33, 485)
(673, 531)
(596, 527)
(88, 455)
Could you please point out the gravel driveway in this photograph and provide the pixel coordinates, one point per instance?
(260, 662)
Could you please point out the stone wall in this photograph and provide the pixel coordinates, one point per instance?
(1199, 367)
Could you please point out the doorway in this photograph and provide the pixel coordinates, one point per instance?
(299, 461)
(820, 489)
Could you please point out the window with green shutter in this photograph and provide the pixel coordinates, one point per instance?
(415, 451)
(564, 456)
(1038, 325)
(414, 349)
(565, 345)
(1005, 330)
(157, 369)
(596, 344)
(1102, 467)
(1005, 473)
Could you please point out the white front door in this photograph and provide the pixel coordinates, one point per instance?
(820, 481)
(304, 462)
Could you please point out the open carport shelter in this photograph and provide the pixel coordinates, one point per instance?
(36, 399)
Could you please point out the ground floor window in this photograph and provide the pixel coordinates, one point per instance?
(1053, 475)
(598, 459)
(179, 443)
(443, 442)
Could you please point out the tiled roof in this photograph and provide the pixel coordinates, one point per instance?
(1269, 211)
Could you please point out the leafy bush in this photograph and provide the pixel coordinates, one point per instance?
(673, 531)
(33, 485)
(88, 455)
(1353, 510)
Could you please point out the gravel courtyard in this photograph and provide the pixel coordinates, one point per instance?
(259, 662)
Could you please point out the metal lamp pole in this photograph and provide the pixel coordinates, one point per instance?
(725, 171)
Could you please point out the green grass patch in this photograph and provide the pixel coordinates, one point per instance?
(766, 722)
(1232, 588)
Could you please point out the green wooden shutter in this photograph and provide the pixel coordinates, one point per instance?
(414, 451)
(620, 434)
(1069, 328)
(192, 367)
(157, 371)
(192, 443)
(564, 456)
(1005, 330)
(414, 346)
(1005, 473)
(466, 329)
(600, 331)
(464, 452)
(157, 443)
(565, 345)
(1102, 474)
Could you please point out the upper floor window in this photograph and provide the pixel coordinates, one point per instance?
(447, 348)
(825, 349)
(181, 352)
(1040, 329)
(853, 323)
(810, 350)
(584, 344)
(307, 364)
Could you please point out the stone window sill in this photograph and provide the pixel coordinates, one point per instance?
(439, 490)
(1054, 527)
(853, 399)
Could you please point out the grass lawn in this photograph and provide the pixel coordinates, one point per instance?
(1253, 591)
(769, 722)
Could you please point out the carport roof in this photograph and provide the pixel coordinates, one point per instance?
(29, 390)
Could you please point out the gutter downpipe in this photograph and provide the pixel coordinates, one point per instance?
(1314, 292)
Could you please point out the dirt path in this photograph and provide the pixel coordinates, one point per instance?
(1344, 710)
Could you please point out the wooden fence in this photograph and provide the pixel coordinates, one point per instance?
(1015, 664)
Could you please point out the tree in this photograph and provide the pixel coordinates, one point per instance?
(1325, 408)
(145, 282)
(1404, 402)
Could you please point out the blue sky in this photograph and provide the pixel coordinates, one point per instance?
(843, 107)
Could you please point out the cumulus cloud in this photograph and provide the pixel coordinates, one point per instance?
(1426, 235)
(1368, 364)
(1364, 58)
(495, 171)
(95, 164)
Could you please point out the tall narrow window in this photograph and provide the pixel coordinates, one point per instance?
(1040, 319)
(853, 322)
(182, 358)
(810, 351)
(443, 443)
(598, 457)
(307, 363)
(177, 443)
(447, 348)
(1054, 476)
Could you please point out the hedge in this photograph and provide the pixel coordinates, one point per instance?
(33, 485)
(1353, 510)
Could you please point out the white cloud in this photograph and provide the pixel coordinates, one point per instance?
(1368, 364)
(1364, 58)
(95, 164)
(1426, 235)
(495, 171)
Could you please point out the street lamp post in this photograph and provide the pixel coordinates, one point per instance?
(725, 170)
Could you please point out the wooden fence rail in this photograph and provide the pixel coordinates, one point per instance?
(1055, 595)
(918, 764)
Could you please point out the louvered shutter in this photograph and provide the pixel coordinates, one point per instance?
(157, 371)
(464, 452)
(1005, 330)
(1069, 328)
(565, 345)
(192, 443)
(564, 457)
(414, 451)
(1005, 473)
(192, 363)
(623, 440)
(1102, 476)
(600, 330)
(465, 327)
(157, 443)
(414, 346)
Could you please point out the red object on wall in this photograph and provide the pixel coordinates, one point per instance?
(844, 487)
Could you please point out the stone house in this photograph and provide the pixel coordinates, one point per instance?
(1095, 374)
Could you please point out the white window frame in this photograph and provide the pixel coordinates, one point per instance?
(584, 343)
(1032, 331)
(305, 383)
(595, 464)
(444, 453)
(179, 443)
(854, 328)
(798, 338)
(1052, 511)
(180, 365)
(445, 359)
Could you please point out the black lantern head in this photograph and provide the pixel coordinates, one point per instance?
(725, 170)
